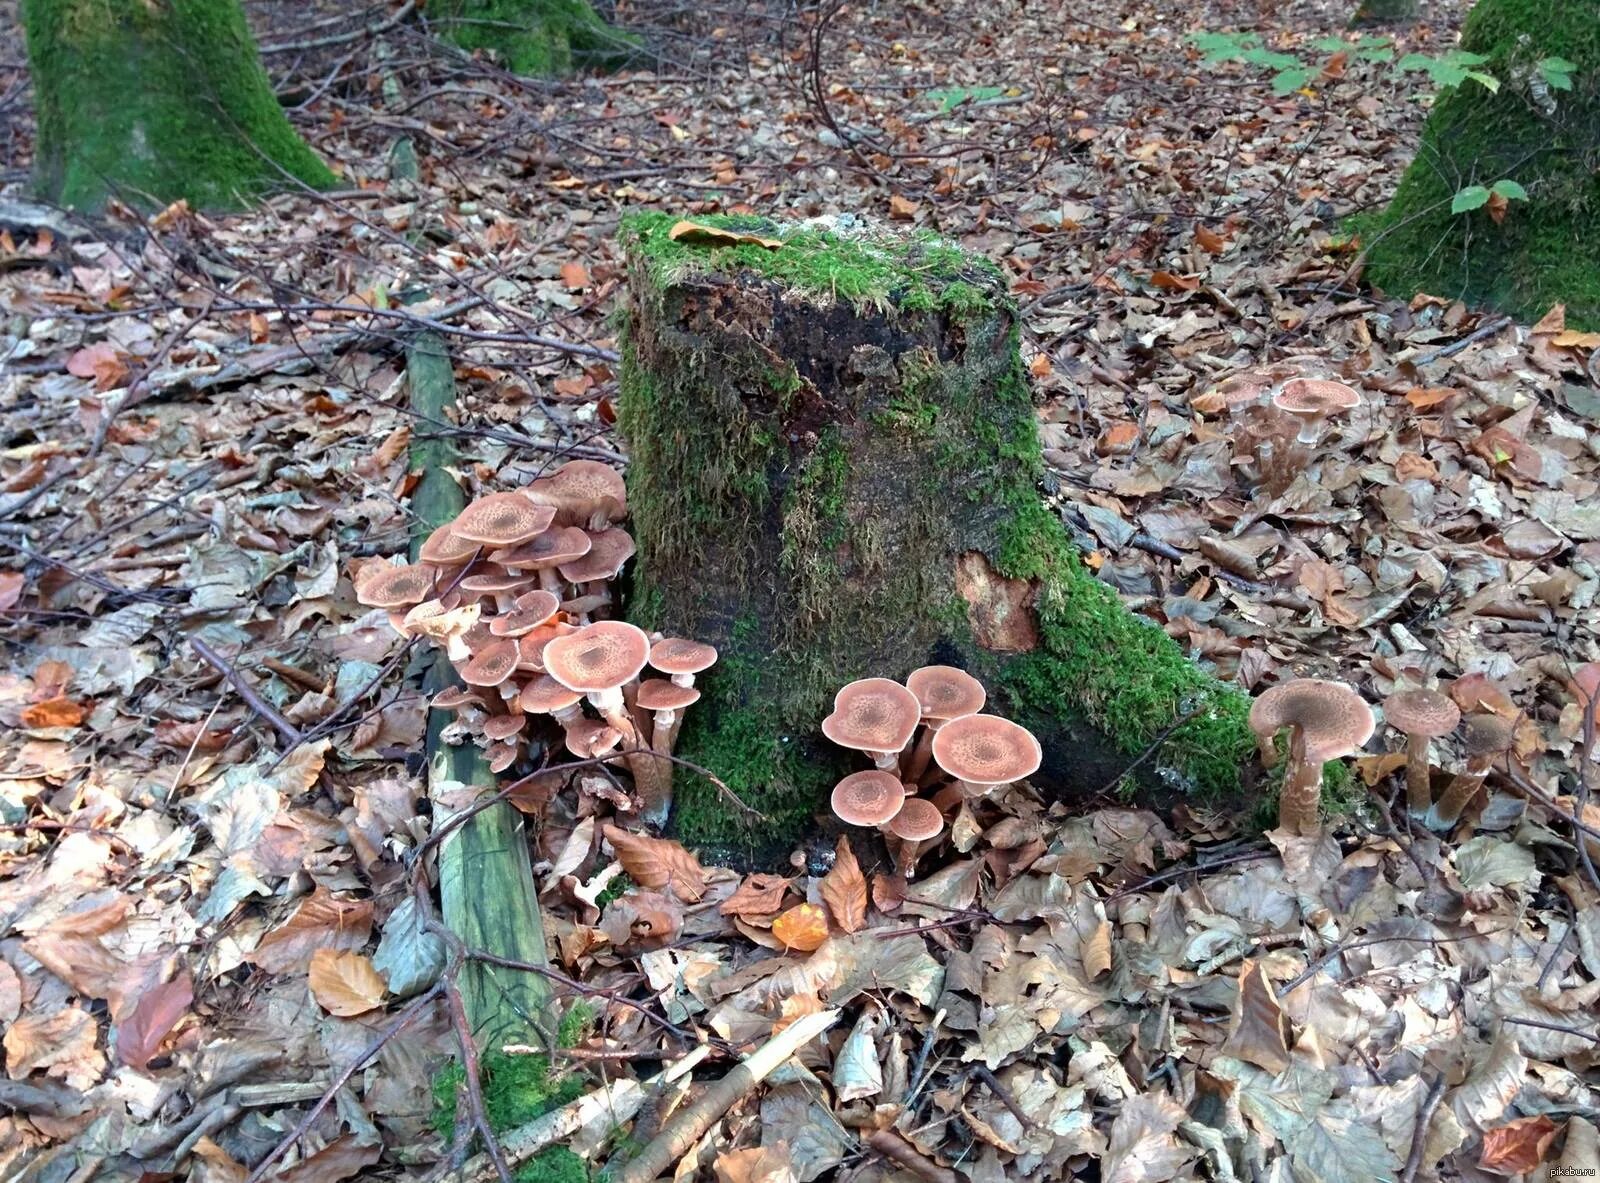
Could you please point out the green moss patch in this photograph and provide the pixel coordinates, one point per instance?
(157, 102)
(1547, 249)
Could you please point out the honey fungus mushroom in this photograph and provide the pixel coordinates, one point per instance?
(1485, 738)
(1423, 716)
(944, 693)
(399, 586)
(502, 519)
(666, 701)
(1313, 401)
(870, 798)
(875, 716)
(681, 659)
(983, 752)
(1328, 720)
(917, 824)
(583, 493)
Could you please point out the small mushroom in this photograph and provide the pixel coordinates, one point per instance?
(529, 611)
(545, 553)
(434, 620)
(1423, 715)
(666, 700)
(492, 664)
(1485, 738)
(502, 587)
(945, 693)
(503, 727)
(588, 738)
(917, 823)
(608, 551)
(681, 659)
(1329, 720)
(871, 798)
(983, 752)
(876, 716)
(400, 586)
(1313, 401)
(501, 520)
(582, 493)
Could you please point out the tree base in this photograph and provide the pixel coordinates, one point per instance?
(538, 38)
(1384, 12)
(834, 468)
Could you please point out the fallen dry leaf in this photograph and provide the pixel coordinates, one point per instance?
(153, 1018)
(803, 927)
(657, 863)
(1517, 1147)
(345, 984)
(701, 235)
(63, 1044)
(758, 896)
(320, 922)
(844, 889)
(54, 712)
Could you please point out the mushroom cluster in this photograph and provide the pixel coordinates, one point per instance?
(1271, 403)
(960, 753)
(517, 591)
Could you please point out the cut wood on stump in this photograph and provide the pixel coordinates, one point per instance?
(834, 473)
(485, 878)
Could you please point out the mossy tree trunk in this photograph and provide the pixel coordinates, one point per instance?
(542, 38)
(1384, 12)
(833, 473)
(1546, 138)
(156, 100)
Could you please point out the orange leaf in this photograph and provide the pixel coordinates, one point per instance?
(345, 984)
(1575, 340)
(54, 712)
(575, 275)
(1497, 208)
(1554, 321)
(103, 362)
(1423, 397)
(1040, 367)
(1335, 66)
(700, 234)
(902, 209)
(844, 889)
(758, 896)
(1119, 437)
(803, 927)
(658, 862)
(1517, 1147)
(320, 922)
(1167, 281)
(1210, 241)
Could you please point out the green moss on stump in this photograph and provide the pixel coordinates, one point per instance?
(154, 102)
(821, 436)
(1547, 250)
(538, 38)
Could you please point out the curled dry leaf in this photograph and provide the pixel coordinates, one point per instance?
(153, 1018)
(1517, 1147)
(345, 984)
(844, 889)
(658, 862)
(758, 897)
(1260, 1031)
(803, 927)
(638, 920)
(320, 922)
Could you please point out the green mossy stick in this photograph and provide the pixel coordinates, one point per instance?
(834, 473)
(485, 877)
(153, 102)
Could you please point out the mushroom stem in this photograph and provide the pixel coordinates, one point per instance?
(886, 761)
(652, 776)
(917, 762)
(664, 730)
(1443, 814)
(1300, 800)
(1419, 792)
(1267, 745)
(906, 857)
(1310, 429)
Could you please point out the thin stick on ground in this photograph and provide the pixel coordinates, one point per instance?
(254, 701)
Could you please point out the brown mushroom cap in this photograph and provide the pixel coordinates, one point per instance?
(499, 727)
(986, 750)
(1487, 735)
(502, 519)
(397, 587)
(492, 664)
(873, 715)
(502, 756)
(661, 694)
(581, 490)
(491, 583)
(453, 698)
(447, 548)
(917, 821)
(532, 609)
(1425, 713)
(1315, 398)
(544, 694)
(869, 798)
(677, 655)
(599, 656)
(946, 692)
(592, 737)
(1333, 718)
(551, 548)
(608, 550)
(531, 646)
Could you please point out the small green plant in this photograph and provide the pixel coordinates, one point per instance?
(1556, 72)
(951, 97)
(1452, 69)
(1473, 197)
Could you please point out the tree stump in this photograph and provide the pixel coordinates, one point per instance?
(1541, 130)
(156, 102)
(541, 38)
(834, 474)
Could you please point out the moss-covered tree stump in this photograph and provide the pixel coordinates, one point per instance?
(1546, 250)
(540, 38)
(834, 467)
(154, 102)
(1384, 12)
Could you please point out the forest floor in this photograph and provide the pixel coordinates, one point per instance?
(205, 426)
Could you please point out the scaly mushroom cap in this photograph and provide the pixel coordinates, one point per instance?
(873, 715)
(1315, 397)
(946, 692)
(1421, 712)
(581, 490)
(446, 548)
(502, 519)
(1487, 735)
(660, 694)
(869, 798)
(677, 655)
(544, 694)
(917, 821)
(986, 750)
(531, 646)
(502, 756)
(494, 583)
(492, 664)
(599, 656)
(499, 727)
(532, 610)
(1334, 719)
(608, 550)
(588, 738)
(551, 548)
(397, 587)
(453, 698)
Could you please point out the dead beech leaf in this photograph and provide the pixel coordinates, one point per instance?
(54, 712)
(1423, 398)
(1210, 241)
(320, 922)
(759, 896)
(1167, 281)
(345, 984)
(758, 1164)
(640, 920)
(702, 235)
(61, 1043)
(803, 927)
(902, 209)
(794, 1007)
(105, 363)
(1575, 340)
(844, 889)
(335, 1162)
(575, 275)
(11, 585)
(1095, 950)
(1518, 1147)
(153, 1018)
(1259, 1033)
(658, 862)
(10, 993)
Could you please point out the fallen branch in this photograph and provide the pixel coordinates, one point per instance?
(254, 701)
(684, 1130)
(892, 1145)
